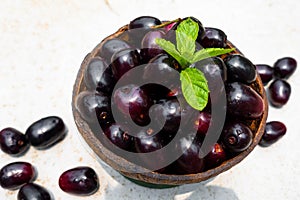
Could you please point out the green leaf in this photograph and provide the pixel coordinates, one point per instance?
(169, 47)
(194, 87)
(185, 45)
(189, 27)
(208, 53)
(186, 35)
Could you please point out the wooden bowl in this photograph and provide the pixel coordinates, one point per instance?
(154, 179)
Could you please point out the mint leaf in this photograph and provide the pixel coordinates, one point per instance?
(193, 82)
(209, 52)
(169, 47)
(189, 27)
(185, 45)
(186, 35)
(194, 88)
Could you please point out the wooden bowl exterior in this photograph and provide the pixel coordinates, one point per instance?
(154, 178)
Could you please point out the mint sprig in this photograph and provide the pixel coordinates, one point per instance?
(193, 82)
(194, 87)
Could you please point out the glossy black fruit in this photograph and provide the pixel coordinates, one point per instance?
(285, 67)
(79, 181)
(215, 157)
(125, 60)
(132, 101)
(118, 136)
(203, 123)
(93, 107)
(190, 162)
(236, 137)
(279, 93)
(16, 174)
(98, 76)
(32, 191)
(273, 132)
(167, 114)
(109, 47)
(46, 132)
(160, 67)
(243, 101)
(265, 72)
(13, 142)
(149, 46)
(213, 38)
(145, 22)
(240, 69)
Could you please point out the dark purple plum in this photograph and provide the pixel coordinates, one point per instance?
(240, 68)
(81, 181)
(13, 142)
(133, 100)
(279, 93)
(32, 191)
(243, 101)
(265, 72)
(167, 114)
(111, 46)
(94, 107)
(285, 67)
(236, 137)
(149, 141)
(118, 136)
(149, 47)
(46, 132)
(215, 157)
(213, 38)
(160, 67)
(190, 161)
(215, 72)
(274, 130)
(144, 22)
(203, 123)
(98, 76)
(124, 60)
(16, 174)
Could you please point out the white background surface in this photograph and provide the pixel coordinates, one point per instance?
(43, 43)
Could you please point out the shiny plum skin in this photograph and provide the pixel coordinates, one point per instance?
(111, 46)
(119, 137)
(265, 72)
(144, 22)
(133, 102)
(236, 137)
(32, 191)
(215, 157)
(240, 69)
(213, 38)
(46, 132)
(13, 142)
(150, 48)
(123, 61)
(81, 181)
(274, 130)
(243, 101)
(98, 76)
(94, 107)
(285, 67)
(16, 174)
(279, 92)
(190, 161)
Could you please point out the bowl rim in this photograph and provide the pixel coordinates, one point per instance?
(153, 177)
